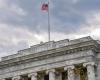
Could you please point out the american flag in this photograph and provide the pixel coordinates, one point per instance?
(45, 7)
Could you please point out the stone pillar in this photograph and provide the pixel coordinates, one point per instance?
(51, 73)
(16, 78)
(33, 76)
(70, 71)
(90, 70)
(58, 75)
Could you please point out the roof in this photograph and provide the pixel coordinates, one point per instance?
(46, 46)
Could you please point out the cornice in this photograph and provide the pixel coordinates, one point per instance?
(89, 45)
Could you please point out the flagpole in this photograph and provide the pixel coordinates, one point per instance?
(49, 21)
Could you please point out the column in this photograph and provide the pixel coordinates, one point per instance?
(90, 70)
(33, 76)
(16, 78)
(70, 71)
(58, 75)
(51, 73)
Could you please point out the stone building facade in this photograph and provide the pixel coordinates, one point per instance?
(77, 59)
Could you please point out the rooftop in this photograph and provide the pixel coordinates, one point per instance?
(47, 46)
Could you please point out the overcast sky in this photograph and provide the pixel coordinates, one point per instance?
(22, 23)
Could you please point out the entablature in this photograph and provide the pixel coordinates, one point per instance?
(88, 45)
(47, 46)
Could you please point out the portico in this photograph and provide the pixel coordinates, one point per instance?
(63, 73)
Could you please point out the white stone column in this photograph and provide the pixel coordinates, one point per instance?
(58, 75)
(90, 70)
(51, 73)
(16, 78)
(33, 76)
(70, 71)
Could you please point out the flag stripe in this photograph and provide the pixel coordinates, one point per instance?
(45, 7)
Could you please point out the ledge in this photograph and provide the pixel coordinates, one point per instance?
(88, 45)
(35, 49)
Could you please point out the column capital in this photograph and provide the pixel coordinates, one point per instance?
(50, 70)
(69, 67)
(16, 78)
(90, 70)
(32, 74)
(89, 63)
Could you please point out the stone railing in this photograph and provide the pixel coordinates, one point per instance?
(46, 46)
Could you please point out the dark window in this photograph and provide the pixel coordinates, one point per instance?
(64, 75)
(46, 77)
(29, 78)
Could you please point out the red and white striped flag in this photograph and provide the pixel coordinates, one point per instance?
(45, 7)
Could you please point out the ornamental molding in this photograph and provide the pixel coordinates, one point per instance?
(89, 45)
(89, 63)
(32, 74)
(69, 67)
(50, 70)
(16, 78)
